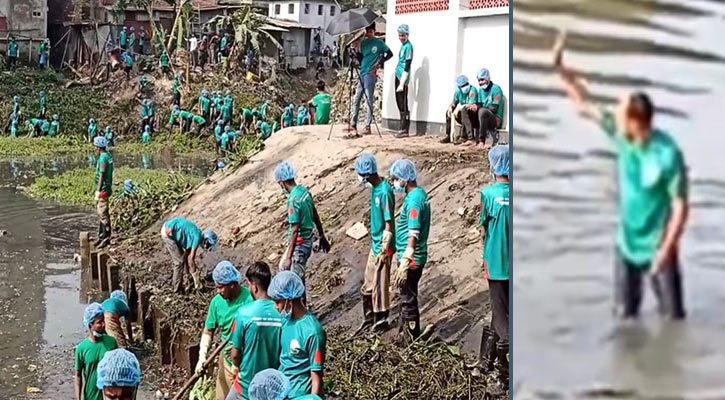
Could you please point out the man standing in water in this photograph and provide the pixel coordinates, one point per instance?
(652, 197)
(495, 233)
(376, 284)
(90, 352)
(104, 182)
(231, 296)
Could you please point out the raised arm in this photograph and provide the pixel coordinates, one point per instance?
(574, 87)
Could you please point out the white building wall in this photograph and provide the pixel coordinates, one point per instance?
(445, 44)
(284, 10)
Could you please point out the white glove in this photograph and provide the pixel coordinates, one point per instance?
(203, 349)
(284, 263)
(403, 80)
(401, 274)
(384, 246)
(97, 196)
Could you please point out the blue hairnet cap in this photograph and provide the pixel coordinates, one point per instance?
(41, 93)
(93, 311)
(210, 238)
(220, 122)
(16, 98)
(284, 172)
(286, 285)
(366, 165)
(269, 384)
(100, 142)
(403, 169)
(91, 120)
(119, 294)
(224, 273)
(483, 74)
(462, 80)
(118, 368)
(220, 164)
(227, 128)
(404, 29)
(147, 128)
(56, 117)
(498, 158)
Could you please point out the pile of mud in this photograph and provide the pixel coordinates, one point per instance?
(248, 212)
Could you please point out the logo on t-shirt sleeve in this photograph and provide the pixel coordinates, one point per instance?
(413, 213)
(318, 357)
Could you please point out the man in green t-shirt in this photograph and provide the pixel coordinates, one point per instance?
(231, 296)
(652, 198)
(272, 384)
(176, 89)
(54, 126)
(255, 333)
(320, 105)
(103, 185)
(119, 375)
(302, 218)
(411, 243)
(402, 78)
(12, 52)
(115, 308)
(460, 110)
(164, 62)
(247, 124)
(288, 116)
(376, 284)
(371, 55)
(205, 104)
(489, 107)
(89, 353)
(495, 233)
(182, 239)
(303, 340)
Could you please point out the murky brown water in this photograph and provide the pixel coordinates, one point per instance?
(41, 301)
(566, 342)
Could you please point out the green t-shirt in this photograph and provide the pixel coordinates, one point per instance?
(266, 130)
(87, 357)
(175, 86)
(495, 218)
(122, 38)
(467, 96)
(183, 114)
(45, 126)
(303, 351)
(493, 95)
(198, 119)
(146, 137)
(322, 108)
(116, 307)
(405, 54)
(184, 232)
(247, 113)
(255, 333)
(300, 208)
(105, 165)
(92, 130)
(288, 119)
(131, 38)
(41, 103)
(651, 176)
(205, 104)
(414, 215)
(218, 131)
(371, 50)
(53, 128)
(145, 112)
(382, 210)
(164, 59)
(13, 49)
(221, 316)
(227, 112)
(224, 140)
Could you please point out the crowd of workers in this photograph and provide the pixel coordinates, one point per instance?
(36, 126)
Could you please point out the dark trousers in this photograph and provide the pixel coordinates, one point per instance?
(401, 99)
(186, 125)
(11, 62)
(468, 119)
(666, 284)
(498, 295)
(409, 310)
(487, 124)
(177, 99)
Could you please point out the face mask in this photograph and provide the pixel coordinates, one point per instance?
(285, 191)
(286, 314)
(97, 334)
(360, 179)
(398, 187)
(464, 88)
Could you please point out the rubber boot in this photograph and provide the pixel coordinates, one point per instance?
(501, 385)
(411, 330)
(381, 323)
(487, 354)
(367, 303)
(403, 131)
(101, 232)
(106, 237)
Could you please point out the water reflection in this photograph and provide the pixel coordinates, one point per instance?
(566, 212)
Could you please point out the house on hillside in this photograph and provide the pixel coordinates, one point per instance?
(27, 21)
(313, 14)
(448, 40)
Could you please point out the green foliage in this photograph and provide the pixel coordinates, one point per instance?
(157, 192)
(45, 146)
(204, 389)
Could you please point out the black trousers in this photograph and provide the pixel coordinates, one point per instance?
(469, 120)
(401, 99)
(177, 99)
(186, 125)
(11, 62)
(666, 284)
(409, 309)
(498, 295)
(487, 124)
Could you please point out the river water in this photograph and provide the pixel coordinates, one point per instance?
(41, 298)
(566, 342)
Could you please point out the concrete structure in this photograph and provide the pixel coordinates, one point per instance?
(315, 14)
(449, 37)
(27, 20)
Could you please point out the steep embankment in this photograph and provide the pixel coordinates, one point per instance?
(247, 210)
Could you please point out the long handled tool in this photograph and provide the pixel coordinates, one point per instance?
(189, 383)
